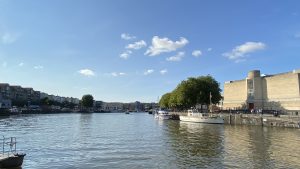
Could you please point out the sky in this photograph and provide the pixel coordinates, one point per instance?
(138, 50)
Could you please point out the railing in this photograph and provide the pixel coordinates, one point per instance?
(9, 145)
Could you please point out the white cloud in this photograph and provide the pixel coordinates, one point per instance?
(164, 71)
(125, 55)
(21, 64)
(38, 67)
(176, 58)
(160, 45)
(149, 71)
(209, 49)
(87, 72)
(9, 38)
(115, 74)
(197, 53)
(239, 52)
(126, 36)
(137, 45)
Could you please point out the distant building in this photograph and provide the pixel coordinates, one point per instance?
(113, 106)
(4, 90)
(18, 94)
(43, 95)
(135, 106)
(267, 92)
(5, 103)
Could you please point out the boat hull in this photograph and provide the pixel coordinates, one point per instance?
(210, 120)
(12, 161)
(162, 117)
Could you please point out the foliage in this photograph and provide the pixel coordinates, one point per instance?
(87, 100)
(192, 92)
(46, 101)
(164, 101)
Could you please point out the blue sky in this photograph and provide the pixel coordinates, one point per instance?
(138, 50)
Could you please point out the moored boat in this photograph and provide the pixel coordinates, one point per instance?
(197, 117)
(14, 111)
(10, 158)
(162, 115)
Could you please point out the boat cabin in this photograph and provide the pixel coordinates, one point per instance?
(195, 112)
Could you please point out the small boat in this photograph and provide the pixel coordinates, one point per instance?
(162, 115)
(14, 111)
(197, 117)
(10, 158)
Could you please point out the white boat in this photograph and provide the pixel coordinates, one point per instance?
(197, 117)
(162, 115)
(14, 110)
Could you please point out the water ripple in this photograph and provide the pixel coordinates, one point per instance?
(138, 140)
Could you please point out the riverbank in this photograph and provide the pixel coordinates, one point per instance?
(289, 121)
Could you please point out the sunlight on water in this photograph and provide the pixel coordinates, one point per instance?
(138, 140)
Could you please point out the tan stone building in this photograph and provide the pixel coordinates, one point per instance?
(268, 92)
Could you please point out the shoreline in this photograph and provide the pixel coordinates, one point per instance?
(268, 120)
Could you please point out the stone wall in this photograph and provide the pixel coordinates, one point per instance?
(262, 120)
(254, 119)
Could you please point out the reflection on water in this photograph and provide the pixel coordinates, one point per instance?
(257, 147)
(139, 141)
(195, 144)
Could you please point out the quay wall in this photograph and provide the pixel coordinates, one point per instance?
(257, 120)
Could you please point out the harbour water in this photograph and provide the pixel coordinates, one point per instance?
(137, 140)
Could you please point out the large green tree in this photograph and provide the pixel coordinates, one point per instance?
(164, 101)
(87, 101)
(192, 92)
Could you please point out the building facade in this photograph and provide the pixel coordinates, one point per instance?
(5, 103)
(267, 92)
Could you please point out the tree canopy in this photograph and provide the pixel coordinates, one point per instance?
(87, 100)
(192, 92)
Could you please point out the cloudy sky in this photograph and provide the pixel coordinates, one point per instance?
(138, 50)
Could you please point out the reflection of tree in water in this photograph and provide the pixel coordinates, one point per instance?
(85, 123)
(196, 144)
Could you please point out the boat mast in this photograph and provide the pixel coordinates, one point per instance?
(210, 107)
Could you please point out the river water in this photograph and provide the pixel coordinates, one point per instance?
(138, 140)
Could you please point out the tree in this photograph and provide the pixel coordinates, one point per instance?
(192, 92)
(208, 86)
(87, 101)
(164, 101)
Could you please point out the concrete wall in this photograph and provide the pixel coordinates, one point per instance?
(282, 92)
(282, 86)
(235, 94)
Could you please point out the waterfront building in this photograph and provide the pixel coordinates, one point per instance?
(266, 92)
(43, 95)
(18, 94)
(135, 106)
(4, 90)
(5, 103)
(112, 106)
